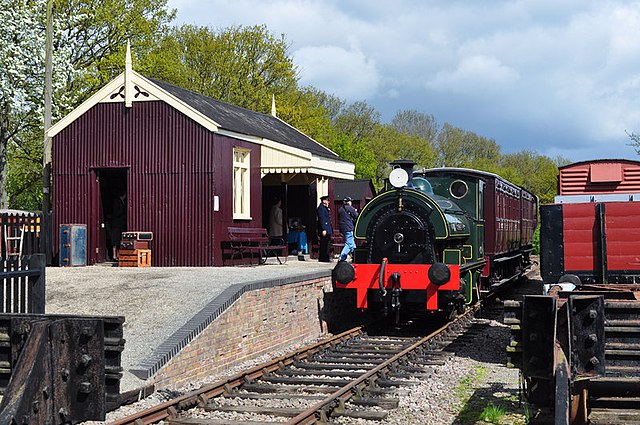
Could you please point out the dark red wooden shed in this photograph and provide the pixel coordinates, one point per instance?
(191, 166)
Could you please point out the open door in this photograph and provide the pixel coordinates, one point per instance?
(109, 212)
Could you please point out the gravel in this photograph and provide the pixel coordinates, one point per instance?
(458, 392)
(156, 301)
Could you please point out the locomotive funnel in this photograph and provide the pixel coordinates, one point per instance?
(406, 164)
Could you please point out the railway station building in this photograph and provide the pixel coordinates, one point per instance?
(189, 167)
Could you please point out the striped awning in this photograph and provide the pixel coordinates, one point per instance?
(281, 159)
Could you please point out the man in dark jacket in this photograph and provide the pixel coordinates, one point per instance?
(347, 216)
(324, 229)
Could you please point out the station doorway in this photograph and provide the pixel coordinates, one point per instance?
(111, 214)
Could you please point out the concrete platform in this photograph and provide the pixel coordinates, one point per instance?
(163, 307)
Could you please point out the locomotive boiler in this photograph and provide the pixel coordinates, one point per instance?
(438, 239)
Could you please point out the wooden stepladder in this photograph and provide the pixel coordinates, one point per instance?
(13, 240)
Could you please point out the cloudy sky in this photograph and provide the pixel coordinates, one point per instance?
(561, 77)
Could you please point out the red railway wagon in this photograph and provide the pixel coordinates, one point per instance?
(592, 229)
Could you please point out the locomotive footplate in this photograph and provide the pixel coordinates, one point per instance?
(367, 277)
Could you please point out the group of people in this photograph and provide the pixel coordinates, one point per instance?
(347, 216)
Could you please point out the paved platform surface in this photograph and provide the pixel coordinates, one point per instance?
(155, 301)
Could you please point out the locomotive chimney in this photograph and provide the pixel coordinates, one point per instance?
(406, 164)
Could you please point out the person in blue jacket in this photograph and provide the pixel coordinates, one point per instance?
(324, 229)
(347, 216)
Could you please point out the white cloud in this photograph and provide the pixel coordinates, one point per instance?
(474, 74)
(346, 73)
(560, 76)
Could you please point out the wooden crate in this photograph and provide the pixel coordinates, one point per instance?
(134, 258)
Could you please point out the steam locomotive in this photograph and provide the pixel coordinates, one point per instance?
(435, 240)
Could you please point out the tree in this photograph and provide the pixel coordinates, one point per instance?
(357, 120)
(417, 124)
(21, 67)
(457, 147)
(244, 66)
(89, 46)
(305, 110)
(635, 141)
(535, 172)
(390, 144)
(359, 153)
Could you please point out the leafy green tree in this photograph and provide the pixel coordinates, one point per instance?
(332, 104)
(537, 173)
(359, 153)
(416, 123)
(89, 45)
(390, 144)
(21, 74)
(305, 110)
(358, 120)
(244, 66)
(461, 148)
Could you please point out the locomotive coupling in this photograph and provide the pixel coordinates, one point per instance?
(395, 292)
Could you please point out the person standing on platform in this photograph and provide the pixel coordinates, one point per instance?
(276, 228)
(118, 222)
(324, 229)
(347, 216)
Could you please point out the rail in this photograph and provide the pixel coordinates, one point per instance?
(316, 413)
(163, 411)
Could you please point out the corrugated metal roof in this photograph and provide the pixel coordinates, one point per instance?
(356, 189)
(600, 177)
(244, 121)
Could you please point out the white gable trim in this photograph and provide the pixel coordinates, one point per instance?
(149, 91)
(283, 158)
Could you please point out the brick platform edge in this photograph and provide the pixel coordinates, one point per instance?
(243, 323)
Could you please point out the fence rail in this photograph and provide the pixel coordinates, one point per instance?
(22, 284)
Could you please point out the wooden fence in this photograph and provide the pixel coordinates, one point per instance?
(22, 284)
(21, 234)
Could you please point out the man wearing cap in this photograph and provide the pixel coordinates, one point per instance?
(324, 229)
(347, 216)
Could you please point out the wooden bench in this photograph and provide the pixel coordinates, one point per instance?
(337, 243)
(255, 243)
(335, 246)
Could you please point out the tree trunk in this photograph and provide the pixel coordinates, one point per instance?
(4, 139)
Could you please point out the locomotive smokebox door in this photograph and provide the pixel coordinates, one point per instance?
(586, 314)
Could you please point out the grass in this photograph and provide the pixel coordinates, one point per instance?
(482, 407)
(492, 413)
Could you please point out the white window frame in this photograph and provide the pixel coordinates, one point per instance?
(241, 184)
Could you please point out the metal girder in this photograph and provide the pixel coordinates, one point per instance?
(59, 377)
(586, 317)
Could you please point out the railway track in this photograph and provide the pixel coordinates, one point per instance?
(351, 375)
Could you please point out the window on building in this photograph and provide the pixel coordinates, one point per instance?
(241, 184)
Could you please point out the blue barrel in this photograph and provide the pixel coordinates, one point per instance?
(73, 245)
